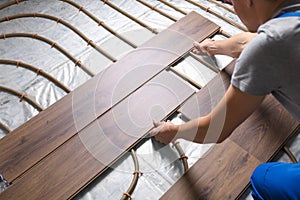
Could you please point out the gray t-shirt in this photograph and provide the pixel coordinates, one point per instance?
(271, 63)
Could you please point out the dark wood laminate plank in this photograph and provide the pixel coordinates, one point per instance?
(23, 147)
(183, 34)
(220, 174)
(265, 132)
(35, 139)
(74, 164)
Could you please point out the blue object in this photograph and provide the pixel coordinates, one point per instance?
(289, 14)
(276, 181)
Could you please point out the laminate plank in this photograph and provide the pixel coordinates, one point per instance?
(76, 163)
(184, 35)
(220, 174)
(265, 132)
(34, 140)
(20, 149)
(262, 135)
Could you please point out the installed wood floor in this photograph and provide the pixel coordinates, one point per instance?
(47, 157)
(225, 170)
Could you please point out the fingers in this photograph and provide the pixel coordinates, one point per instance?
(157, 127)
(163, 132)
(202, 48)
(199, 49)
(154, 131)
(157, 123)
(160, 138)
(197, 45)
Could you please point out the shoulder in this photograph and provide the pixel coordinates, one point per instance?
(273, 53)
(275, 39)
(281, 29)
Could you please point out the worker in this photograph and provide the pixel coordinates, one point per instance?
(268, 62)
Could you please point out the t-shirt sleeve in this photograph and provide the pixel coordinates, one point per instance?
(256, 71)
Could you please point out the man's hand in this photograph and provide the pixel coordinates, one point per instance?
(207, 47)
(232, 46)
(164, 132)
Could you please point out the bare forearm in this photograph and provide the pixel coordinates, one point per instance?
(232, 110)
(232, 46)
(212, 128)
(194, 130)
(235, 44)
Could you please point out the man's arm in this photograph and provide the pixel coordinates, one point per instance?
(232, 110)
(232, 46)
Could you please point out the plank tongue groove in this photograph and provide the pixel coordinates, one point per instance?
(224, 172)
(31, 142)
(76, 163)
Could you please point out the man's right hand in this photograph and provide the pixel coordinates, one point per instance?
(206, 47)
(232, 46)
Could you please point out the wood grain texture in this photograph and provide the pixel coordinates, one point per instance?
(76, 163)
(265, 132)
(259, 137)
(202, 28)
(35, 139)
(220, 174)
